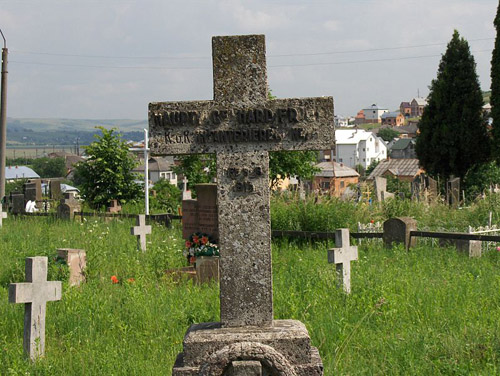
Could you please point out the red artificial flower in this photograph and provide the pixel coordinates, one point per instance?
(204, 240)
(192, 260)
(188, 244)
(372, 221)
(196, 239)
(114, 279)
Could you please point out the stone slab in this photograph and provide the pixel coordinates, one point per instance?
(76, 259)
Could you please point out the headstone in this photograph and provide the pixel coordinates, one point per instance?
(35, 293)
(453, 192)
(55, 189)
(200, 215)
(17, 203)
(186, 195)
(342, 256)
(33, 190)
(241, 125)
(76, 259)
(3, 215)
(432, 188)
(141, 230)
(113, 207)
(397, 230)
(68, 207)
(207, 269)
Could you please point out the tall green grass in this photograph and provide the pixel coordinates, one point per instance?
(429, 311)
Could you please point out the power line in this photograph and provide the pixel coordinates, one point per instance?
(272, 56)
(203, 68)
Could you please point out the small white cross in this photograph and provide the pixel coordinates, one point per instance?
(35, 293)
(342, 256)
(3, 215)
(185, 181)
(141, 230)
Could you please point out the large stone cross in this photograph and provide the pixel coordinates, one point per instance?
(241, 125)
(141, 230)
(342, 256)
(3, 215)
(35, 293)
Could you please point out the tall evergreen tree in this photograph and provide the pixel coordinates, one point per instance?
(453, 133)
(495, 88)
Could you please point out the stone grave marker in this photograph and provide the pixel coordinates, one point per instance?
(200, 214)
(381, 189)
(186, 195)
(33, 192)
(3, 215)
(68, 206)
(341, 256)
(76, 259)
(55, 189)
(35, 293)
(397, 230)
(17, 203)
(241, 125)
(141, 230)
(114, 207)
(453, 192)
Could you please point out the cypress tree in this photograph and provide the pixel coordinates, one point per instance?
(495, 88)
(453, 133)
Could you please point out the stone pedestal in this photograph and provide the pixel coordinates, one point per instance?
(282, 349)
(207, 269)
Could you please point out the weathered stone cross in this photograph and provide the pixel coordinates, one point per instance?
(342, 257)
(141, 230)
(35, 293)
(3, 215)
(241, 125)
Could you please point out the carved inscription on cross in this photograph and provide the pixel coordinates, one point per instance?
(342, 256)
(35, 293)
(241, 125)
(141, 230)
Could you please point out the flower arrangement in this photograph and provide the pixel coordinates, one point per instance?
(200, 244)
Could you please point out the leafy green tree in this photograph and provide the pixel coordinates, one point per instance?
(453, 134)
(197, 168)
(480, 178)
(49, 167)
(284, 164)
(372, 166)
(387, 134)
(168, 197)
(107, 173)
(495, 88)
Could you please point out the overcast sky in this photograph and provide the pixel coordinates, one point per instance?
(109, 58)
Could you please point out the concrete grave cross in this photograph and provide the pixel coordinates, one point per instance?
(186, 195)
(342, 256)
(3, 215)
(35, 293)
(141, 230)
(241, 125)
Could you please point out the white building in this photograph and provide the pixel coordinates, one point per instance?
(373, 113)
(357, 146)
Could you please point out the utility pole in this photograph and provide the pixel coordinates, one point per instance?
(3, 118)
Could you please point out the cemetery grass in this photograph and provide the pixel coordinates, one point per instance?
(428, 311)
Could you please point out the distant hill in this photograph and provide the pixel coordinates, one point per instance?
(67, 131)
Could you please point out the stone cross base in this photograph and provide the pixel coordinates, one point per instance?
(283, 349)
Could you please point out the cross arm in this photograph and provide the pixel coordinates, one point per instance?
(273, 125)
(21, 292)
